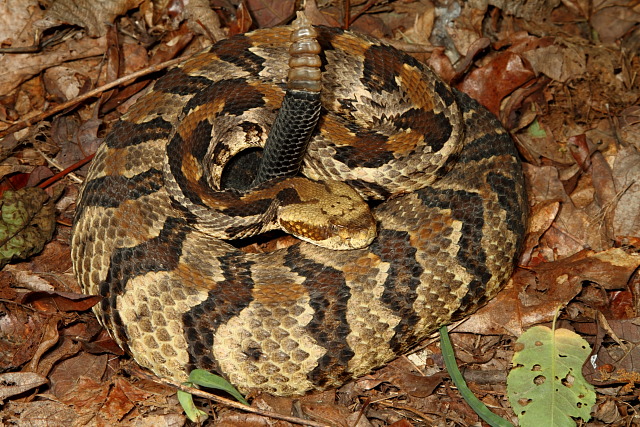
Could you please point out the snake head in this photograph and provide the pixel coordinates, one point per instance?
(329, 214)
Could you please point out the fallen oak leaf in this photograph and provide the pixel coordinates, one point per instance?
(14, 383)
(60, 301)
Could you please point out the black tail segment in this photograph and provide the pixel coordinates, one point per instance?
(289, 137)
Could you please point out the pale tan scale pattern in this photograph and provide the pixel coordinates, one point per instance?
(451, 276)
(199, 260)
(272, 68)
(438, 268)
(276, 271)
(226, 132)
(157, 341)
(109, 238)
(278, 330)
(136, 159)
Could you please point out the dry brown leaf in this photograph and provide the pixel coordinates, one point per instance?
(20, 334)
(242, 22)
(540, 141)
(317, 17)
(94, 16)
(492, 83)
(271, 13)
(541, 217)
(620, 358)
(611, 269)
(86, 395)
(606, 412)
(277, 404)
(530, 10)
(13, 383)
(64, 83)
(27, 279)
(576, 229)
(613, 21)
(441, 64)
(40, 413)
(370, 24)
(48, 338)
(626, 173)
(203, 19)
(533, 295)
(123, 397)
(605, 191)
(30, 96)
(76, 139)
(331, 413)
(20, 67)
(175, 43)
(227, 418)
(16, 22)
(630, 126)
(458, 27)
(60, 301)
(581, 150)
(526, 301)
(543, 184)
(522, 41)
(65, 349)
(583, 194)
(415, 385)
(418, 19)
(558, 62)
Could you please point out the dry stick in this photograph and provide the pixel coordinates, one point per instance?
(227, 402)
(30, 122)
(64, 173)
(364, 8)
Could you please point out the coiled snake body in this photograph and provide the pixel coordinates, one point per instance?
(151, 217)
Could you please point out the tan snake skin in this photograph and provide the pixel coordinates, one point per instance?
(150, 219)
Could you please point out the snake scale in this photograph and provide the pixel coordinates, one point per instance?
(153, 218)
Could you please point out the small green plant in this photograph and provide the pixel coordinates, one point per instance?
(200, 377)
(452, 367)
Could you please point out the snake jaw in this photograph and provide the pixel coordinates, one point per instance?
(356, 236)
(329, 214)
(337, 233)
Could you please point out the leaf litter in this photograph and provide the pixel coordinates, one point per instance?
(562, 76)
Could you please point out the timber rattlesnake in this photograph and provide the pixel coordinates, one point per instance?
(305, 317)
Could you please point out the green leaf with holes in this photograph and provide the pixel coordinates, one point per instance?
(27, 222)
(546, 386)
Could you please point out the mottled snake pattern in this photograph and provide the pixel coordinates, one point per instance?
(441, 174)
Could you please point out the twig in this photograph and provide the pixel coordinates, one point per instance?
(64, 172)
(38, 44)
